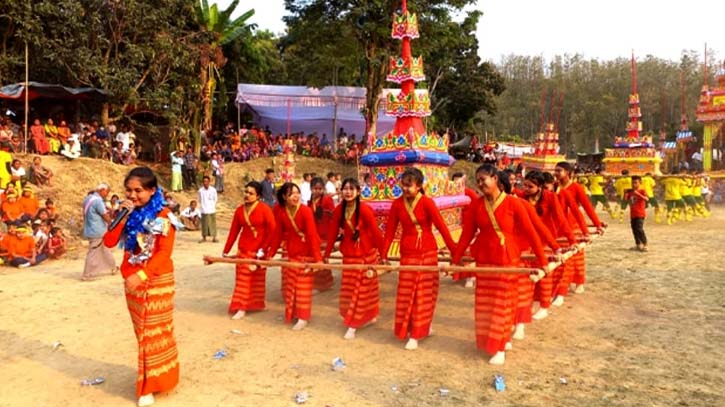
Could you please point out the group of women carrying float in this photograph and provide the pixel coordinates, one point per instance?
(497, 228)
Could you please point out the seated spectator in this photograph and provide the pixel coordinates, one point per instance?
(118, 155)
(129, 157)
(40, 235)
(172, 204)
(17, 174)
(40, 174)
(72, 149)
(5, 240)
(57, 245)
(12, 209)
(63, 132)
(42, 215)
(21, 250)
(50, 208)
(9, 189)
(191, 216)
(29, 202)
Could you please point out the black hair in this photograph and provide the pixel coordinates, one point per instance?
(256, 185)
(457, 175)
(206, 177)
(566, 166)
(268, 170)
(144, 175)
(536, 177)
(415, 175)
(284, 190)
(314, 182)
(330, 174)
(636, 177)
(548, 178)
(355, 184)
(503, 178)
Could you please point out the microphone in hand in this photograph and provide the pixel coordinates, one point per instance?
(126, 207)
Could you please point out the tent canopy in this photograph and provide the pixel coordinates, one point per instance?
(309, 110)
(16, 91)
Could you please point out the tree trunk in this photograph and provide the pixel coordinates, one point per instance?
(104, 114)
(375, 76)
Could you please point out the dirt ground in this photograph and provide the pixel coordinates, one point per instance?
(648, 332)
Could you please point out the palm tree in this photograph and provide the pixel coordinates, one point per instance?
(222, 30)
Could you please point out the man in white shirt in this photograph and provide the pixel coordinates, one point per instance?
(306, 189)
(330, 188)
(123, 138)
(191, 216)
(207, 201)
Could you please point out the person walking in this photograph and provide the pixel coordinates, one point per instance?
(99, 259)
(207, 204)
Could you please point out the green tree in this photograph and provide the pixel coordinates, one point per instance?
(221, 30)
(349, 40)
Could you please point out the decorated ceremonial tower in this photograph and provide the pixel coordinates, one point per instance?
(633, 152)
(409, 144)
(711, 112)
(546, 147)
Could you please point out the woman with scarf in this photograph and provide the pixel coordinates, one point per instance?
(295, 227)
(148, 237)
(256, 223)
(497, 218)
(322, 206)
(417, 291)
(361, 243)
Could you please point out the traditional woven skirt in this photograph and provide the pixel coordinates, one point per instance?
(249, 287)
(359, 294)
(561, 285)
(323, 280)
(524, 295)
(580, 268)
(544, 289)
(495, 304)
(416, 298)
(297, 291)
(152, 311)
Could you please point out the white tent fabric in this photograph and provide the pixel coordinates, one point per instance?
(310, 110)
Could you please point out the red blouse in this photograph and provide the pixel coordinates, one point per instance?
(426, 214)
(256, 231)
(301, 236)
(367, 226)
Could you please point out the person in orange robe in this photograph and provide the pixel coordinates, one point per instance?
(148, 273)
(575, 196)
(322, 206)
(362, 243)
(551, 213)
(29, 202)
(498, 218)
(40, 141)
(468, 278)
(417, 292)
(256, 223)
(12, 209)
(296, 227)
(22, 251)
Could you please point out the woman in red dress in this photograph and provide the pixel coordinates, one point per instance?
(296, 227)
(256, 223)
(551, 213)
(417, 291)
(572, 196)
(497, 218)
(361, 243)
(322, 206)
(148, 271)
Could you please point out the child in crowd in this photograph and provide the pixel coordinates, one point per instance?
(50, 207)
(637, 199)
(57, 244)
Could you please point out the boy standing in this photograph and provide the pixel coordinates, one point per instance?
(637, 199)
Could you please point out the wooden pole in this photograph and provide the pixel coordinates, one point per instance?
(376, 267)
(27, 104)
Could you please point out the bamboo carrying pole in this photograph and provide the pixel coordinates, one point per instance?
(374, 267)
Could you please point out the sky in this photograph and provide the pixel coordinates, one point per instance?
(595, 29)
